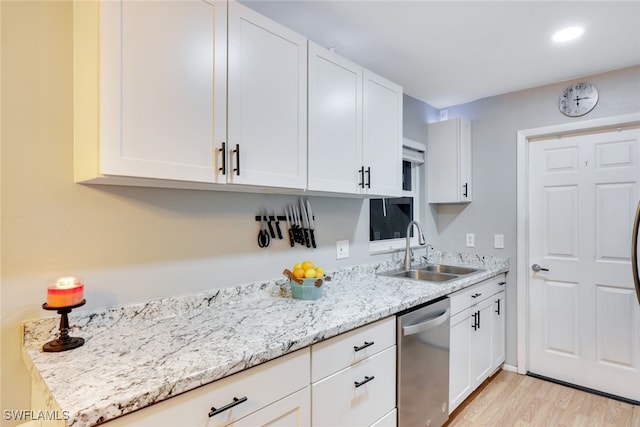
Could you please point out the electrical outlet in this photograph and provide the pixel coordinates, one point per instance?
(471, 240)
(498, 241)
(342, 249)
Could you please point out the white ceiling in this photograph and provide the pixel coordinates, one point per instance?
(451, 52)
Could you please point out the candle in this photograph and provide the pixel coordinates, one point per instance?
(66, 292)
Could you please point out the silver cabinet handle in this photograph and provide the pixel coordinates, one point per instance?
(536, 267)
(428, 324)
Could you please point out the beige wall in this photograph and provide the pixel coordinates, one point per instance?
(128, 244)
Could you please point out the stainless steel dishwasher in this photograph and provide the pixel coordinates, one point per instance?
(423, 365)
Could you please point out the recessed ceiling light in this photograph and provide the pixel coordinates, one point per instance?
(567, 34)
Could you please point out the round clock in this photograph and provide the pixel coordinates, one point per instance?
(578, 99)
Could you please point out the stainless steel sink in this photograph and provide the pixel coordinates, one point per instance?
(448, 269)
(428, 276)
(431, 273)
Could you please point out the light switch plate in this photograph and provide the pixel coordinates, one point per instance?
(342, 249)
(471, 240)
(498, 241)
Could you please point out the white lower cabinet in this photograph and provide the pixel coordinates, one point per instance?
(477, 340)
(358, 395)
(354, 377)
(292, 411)
(354, 385)
(276, 393)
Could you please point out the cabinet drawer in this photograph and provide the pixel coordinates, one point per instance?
(337, 401)
(467, 297)
(389, 420)
(292, 411)
(261, 385)
(342, 351)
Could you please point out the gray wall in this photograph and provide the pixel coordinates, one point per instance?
(495, 122)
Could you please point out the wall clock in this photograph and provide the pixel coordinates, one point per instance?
(578, 99)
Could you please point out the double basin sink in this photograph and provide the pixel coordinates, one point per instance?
(431, 272)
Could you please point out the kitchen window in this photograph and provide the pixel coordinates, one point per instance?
(389, 217)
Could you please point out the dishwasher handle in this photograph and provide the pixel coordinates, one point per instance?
(428, 324)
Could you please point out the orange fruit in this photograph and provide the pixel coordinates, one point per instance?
(299, 273)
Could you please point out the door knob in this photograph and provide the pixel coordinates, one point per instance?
(536, 267)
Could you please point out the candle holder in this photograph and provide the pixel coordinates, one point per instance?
(64, 342)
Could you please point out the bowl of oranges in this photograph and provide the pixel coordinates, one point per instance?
(306, 280)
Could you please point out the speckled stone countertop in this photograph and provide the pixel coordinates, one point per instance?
(141, 354)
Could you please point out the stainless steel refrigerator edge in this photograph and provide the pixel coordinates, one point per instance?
(423, 365)
(634, 252)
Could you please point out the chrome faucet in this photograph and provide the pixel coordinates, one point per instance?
(407, 254)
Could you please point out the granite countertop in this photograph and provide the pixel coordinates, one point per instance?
(141, 354)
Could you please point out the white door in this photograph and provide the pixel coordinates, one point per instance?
(584, 323)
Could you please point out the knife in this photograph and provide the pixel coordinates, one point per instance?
(312, 224)
(268, 219)
(305, 223)
(289, 226)
(294, 226)
(299, 233)
(277, 221)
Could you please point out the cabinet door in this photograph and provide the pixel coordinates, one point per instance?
(460, 376)
(162, 91)
(267, 83)
(449, 161)
(292, 411)
(498, 330)
(335, 122)
(482, 347)
(382, 136)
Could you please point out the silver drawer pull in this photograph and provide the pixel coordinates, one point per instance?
(362, 347)
(235, 402)
(363, 382)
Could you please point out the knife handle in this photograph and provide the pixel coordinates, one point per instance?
(291, 238)
(313, 238)
(307, 239)
(273, 233)
(278, 229)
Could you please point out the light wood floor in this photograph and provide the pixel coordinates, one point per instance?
(509, 399)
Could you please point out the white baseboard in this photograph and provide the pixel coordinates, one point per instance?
(509, 368)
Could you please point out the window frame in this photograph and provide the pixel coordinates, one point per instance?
(413, 152)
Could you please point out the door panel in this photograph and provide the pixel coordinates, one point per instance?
(613, 238)
(561, 234)
(584, 322)
(615, 331)
(561, 317)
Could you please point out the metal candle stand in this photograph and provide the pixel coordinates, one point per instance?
(64, 342)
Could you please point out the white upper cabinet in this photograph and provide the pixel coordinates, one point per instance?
(355, 128)
(267, 105)
(149, 89)
(335, 122)
(449, 161)
(382, 136)
(213, 95)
